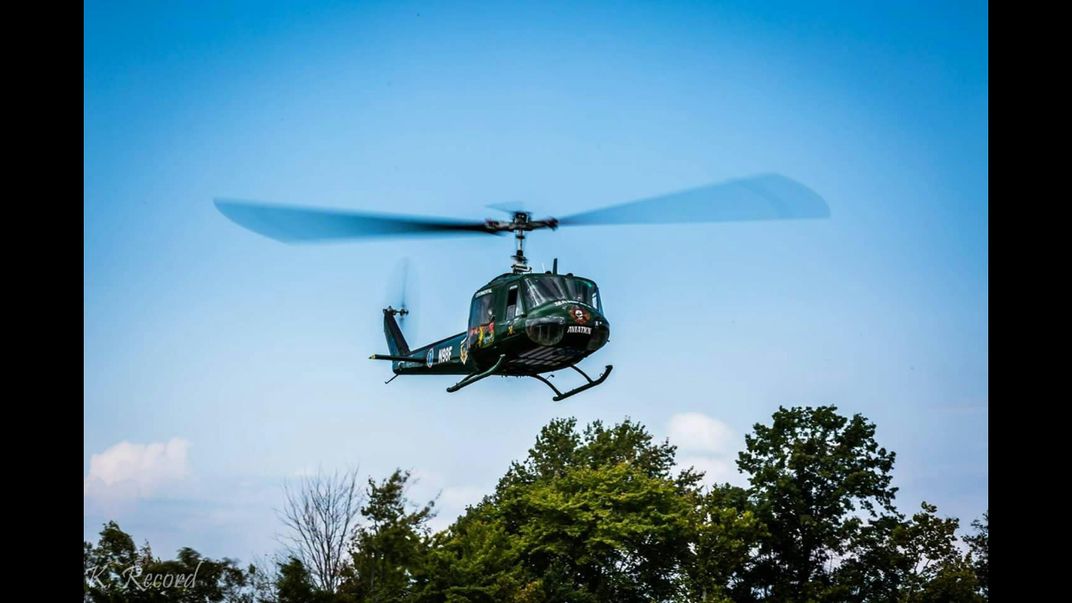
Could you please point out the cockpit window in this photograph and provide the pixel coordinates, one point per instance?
(482, 311)
(542, 289)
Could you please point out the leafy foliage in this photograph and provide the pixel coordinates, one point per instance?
(980, 552)
(294, 584)
(726, 534)
(388, 552)
(116, 571)
(810, 472)
(603, 514)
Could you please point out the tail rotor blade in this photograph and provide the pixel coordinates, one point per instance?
(402, 294)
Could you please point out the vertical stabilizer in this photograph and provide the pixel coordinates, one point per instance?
(396, 342)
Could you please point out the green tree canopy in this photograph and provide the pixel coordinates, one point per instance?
(116, 571)
(604, 513)
(979, 542)
(811, 471)
(592, 515)
(390, 549)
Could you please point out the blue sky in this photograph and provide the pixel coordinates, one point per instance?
(219, 363)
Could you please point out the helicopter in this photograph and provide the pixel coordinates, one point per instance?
(525, 323)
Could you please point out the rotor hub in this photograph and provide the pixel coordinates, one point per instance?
(520, 223)
(522, 220)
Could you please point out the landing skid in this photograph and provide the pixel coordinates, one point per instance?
(559, 396)
(471, 379)
(562, 396)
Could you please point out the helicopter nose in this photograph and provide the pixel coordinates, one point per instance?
(586, 328)
(547, 331)
(600, 335)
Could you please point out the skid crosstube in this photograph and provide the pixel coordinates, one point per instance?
(591, 383)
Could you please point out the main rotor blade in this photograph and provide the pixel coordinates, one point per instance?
(300, 224)
(764, 197)
(510, 207)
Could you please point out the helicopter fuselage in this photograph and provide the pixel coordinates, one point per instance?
(526, 323)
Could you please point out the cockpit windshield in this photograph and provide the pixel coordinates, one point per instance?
(542, 289)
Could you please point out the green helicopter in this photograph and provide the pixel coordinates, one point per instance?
(524, 323)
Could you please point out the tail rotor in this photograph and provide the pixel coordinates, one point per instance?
(401, 296)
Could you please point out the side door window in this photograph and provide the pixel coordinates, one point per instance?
(511, 303)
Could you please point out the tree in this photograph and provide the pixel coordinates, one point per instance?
(979, 543)
(874, 567)
(116, 571)
(293, 583)
(474, 560)
(812, 473)
(912, 560)
(560, 448)
(263, 576)
(203, 579)
(725, 537)
(601, 514)
(321, 514)
(388, 553)
(936, 565)
(106, 564)
(616, 533)
(592, 516)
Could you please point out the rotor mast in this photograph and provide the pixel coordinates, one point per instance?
(520, 261)
(521, 223)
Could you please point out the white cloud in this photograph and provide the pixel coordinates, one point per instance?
(716, 470)
(457, 497)
(136, 470)
(699, 432)
(710, 446)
